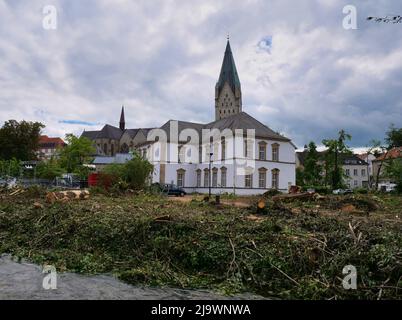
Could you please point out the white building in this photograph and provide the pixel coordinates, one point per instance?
(198, 156)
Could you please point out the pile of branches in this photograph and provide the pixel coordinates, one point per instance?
(149, 240)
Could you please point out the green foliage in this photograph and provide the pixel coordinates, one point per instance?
(299, 176)
(133, 174)
(19, 140)
(82, 172)
(78, 151)
(10, 168)
(312, 166)
(296, 256)
(318, 189)
(333, 167)
(360, 191)
(49, 169)
(393, 170)
(394, 137)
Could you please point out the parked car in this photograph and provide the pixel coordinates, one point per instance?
(170, 189)
(342, 191)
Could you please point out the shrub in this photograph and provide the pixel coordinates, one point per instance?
(49, 170)
(318, 189)
(361, 191)
(133, 174)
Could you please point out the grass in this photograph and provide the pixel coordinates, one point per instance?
(296, 251)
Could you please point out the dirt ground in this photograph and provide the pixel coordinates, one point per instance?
(240, 202)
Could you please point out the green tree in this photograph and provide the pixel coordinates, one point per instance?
(393, 137)
(137, 171)
(393, 170)
(49, 169)
(78, 151)
(10, 168)
(300, 177)
(20, 140)
(335, 147)
(312, 167)
(133, 174)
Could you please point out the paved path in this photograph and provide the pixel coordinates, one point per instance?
(24, 281)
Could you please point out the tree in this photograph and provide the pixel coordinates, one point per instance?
(20, 140)
(78, 151)
(10, 168)
(49, 169)
(394, 171)
(299, 177)
(134, 173)
(393, 137)
(312, 168)
(335, 148)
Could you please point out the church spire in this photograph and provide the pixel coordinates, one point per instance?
(228, 71)
(228, 88)
(122, 120)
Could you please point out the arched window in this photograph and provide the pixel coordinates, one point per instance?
(105, 149)
(199, 178)
(275, 152)
(223, 148)
(262, 178)
(124, 148)
(223, 176)
(275, 179)
(262, 150)
(112, 149)
(214, 177)
(206, 178)
(181, 173)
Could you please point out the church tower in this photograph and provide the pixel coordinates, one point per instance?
(122, 123)
(228, 90)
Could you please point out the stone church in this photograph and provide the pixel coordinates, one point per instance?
(268, 159)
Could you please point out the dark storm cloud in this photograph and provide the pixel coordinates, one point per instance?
(301, 72)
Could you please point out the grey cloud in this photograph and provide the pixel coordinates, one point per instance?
(161, 59)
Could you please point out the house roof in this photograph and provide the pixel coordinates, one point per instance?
(47, 142)
(391, 154)
(346, 159)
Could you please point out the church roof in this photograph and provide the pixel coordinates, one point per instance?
(228, 71)
(90, 134)
(107, 132)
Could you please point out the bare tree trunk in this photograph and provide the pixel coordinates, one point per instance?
(379, 170)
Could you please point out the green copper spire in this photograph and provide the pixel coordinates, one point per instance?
(228, 71)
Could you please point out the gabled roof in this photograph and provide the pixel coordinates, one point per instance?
(47, 142)
(352, 159)
(244, 121)
(90, 134)
(345, 159)
(181, 126)
(110, 132)
(228, 71)
(391, 154)
(132, 132)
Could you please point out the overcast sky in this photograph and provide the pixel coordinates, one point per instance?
(301, 72)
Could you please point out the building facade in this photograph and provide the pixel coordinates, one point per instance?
(235, 153)
(48, 147)
(356, 172)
